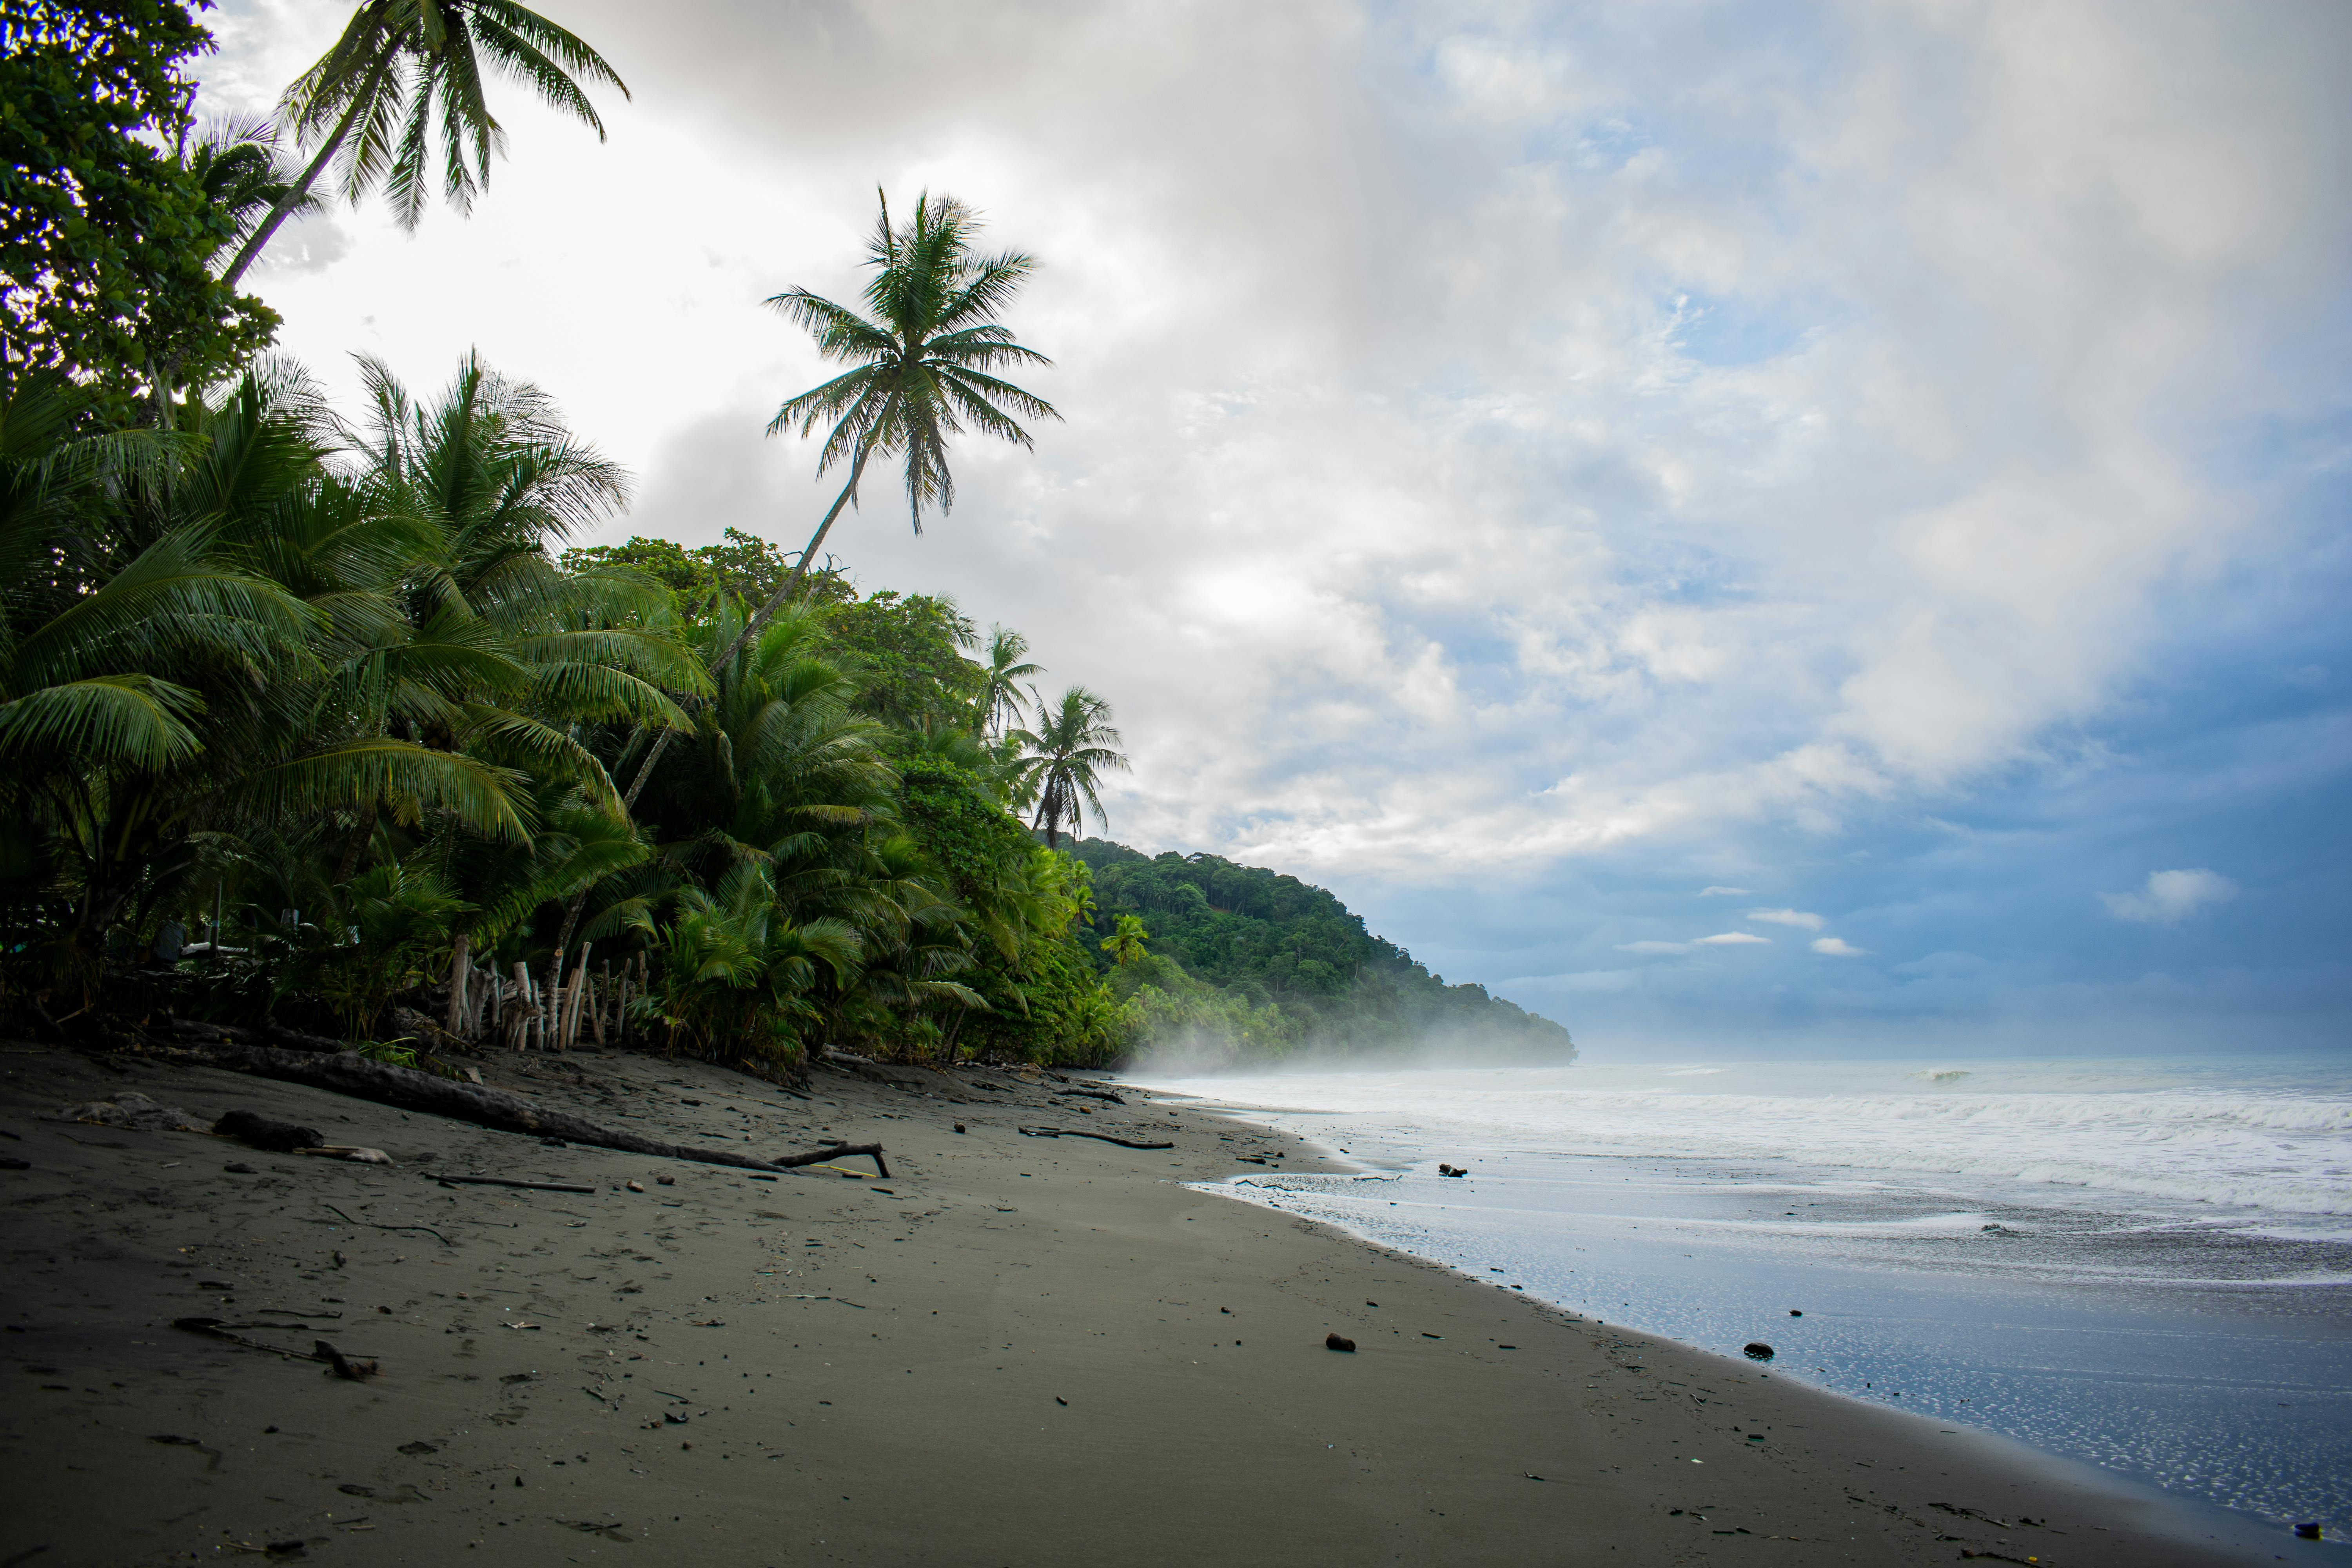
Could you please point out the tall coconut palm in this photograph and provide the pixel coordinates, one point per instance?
(1001, 674)
(920, 364)
(920, 373)
(369, 101)
(1064, 759)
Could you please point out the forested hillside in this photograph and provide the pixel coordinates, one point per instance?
(1248, 963)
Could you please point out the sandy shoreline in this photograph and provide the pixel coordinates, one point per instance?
(1016, 1351)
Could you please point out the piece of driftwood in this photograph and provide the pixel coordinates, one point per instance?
(344, 1366)
(1098, 1137)
(250, 1127)
(276, 1035)
(1091, 1094)
(836, 1152)
(372, 1226)
(449, 1180)
(349, 1073)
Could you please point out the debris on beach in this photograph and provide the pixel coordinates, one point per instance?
(1338, 1342)
(1073, 1132)
(1445, 1170)
(343, 1366)
(1756, 1350)
(406, 1089)
(256, 1131)
(134, 1112)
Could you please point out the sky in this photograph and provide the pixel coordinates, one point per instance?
(1787, 528)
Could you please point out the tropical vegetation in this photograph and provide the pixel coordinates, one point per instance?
(328, 719)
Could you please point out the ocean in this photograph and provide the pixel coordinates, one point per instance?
(2142, 1264)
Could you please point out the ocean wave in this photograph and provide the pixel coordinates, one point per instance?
(2284, 1153)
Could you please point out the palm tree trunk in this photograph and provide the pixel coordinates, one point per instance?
(361, 837)
(767, 612)
(167, 377)
(461, 980)
(286, 204)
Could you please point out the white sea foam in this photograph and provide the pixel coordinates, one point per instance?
(2271, 1143)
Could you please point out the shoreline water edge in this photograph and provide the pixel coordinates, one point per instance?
(2039, 1271)
(1017, 1349)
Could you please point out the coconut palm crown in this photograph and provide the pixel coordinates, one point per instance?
(998, 702)
(369, 102)
(1062, 761)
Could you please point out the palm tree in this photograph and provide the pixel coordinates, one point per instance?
(1063, 759)
(920, 364)
(1006, 666)
(369, 100)
(1125, 944)
(182, 647)
(508, 652)
(922, 374)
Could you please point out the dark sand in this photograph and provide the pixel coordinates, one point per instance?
(1016, 1351)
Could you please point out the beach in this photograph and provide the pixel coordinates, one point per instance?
(1016, 1350)
(2143, 1265)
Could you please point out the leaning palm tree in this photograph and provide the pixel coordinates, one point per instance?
(369, 101)
(1063, 759)
(1006, 666)
(920, 364)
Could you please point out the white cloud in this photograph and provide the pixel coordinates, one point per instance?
(1654, 947)
(1797, 918)
(1838, 947)
(2170, 897)
(1735, 938)
(1723, 892)
(1481, 552)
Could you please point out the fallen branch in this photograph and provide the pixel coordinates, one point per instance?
(1098, 1137)
(836, 1152)
(265, 1035)
(372, 1226)
(1090, 1094)
(405, 1089)
(511, 1181)
(345, 1367)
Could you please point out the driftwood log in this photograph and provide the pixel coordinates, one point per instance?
(836, 1152)
(1098, 1137)
(405, 1089)
(446, 1180)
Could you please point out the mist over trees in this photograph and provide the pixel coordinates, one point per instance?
(1244, 964)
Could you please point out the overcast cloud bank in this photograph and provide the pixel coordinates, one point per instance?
(1530, 469)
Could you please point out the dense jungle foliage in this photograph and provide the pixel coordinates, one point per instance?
(318, 717)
